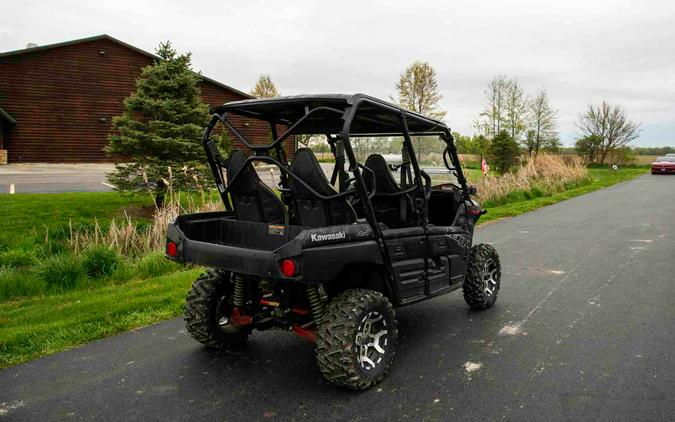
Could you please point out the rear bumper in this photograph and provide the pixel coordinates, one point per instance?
(241, 260)
(663, 170)
(318, 254)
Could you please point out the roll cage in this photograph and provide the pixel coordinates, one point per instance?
(339, 118)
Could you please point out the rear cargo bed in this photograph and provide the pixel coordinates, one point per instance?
(220, 228)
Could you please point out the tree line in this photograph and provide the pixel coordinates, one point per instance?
(156, 140)
(511, 123)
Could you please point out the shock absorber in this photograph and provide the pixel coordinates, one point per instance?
(315, 302)
(239, 296)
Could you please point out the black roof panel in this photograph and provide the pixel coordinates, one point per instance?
(374, 116)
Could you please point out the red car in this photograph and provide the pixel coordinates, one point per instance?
(664, 165)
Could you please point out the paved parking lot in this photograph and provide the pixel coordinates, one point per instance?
(54, 178)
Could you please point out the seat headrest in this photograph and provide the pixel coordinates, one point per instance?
(249, 177)
(307, 168)
(384, 181)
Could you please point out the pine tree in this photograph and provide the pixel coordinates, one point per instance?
(504, 152)
(157, 139)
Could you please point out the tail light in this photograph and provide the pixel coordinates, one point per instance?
(171, 249)
(288, 267)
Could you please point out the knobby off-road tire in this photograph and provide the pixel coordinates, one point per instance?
(483, 277)
(210, 299)
(356, 339)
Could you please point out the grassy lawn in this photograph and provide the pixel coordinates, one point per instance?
(44, 325)
(36, 326)
(25, 214)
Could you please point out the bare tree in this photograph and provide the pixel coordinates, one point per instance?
(492, 119)
(264, 88)
(418, 90)
(515, 107)
(542, 121)
(610, 124)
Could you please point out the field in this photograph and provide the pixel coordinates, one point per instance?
(150, 289)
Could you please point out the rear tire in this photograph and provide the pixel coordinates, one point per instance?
(208, 304)
(356, 339)
(483, 278)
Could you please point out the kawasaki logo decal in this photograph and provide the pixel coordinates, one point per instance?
(314, 237)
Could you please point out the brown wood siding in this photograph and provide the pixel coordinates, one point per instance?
(63, 100)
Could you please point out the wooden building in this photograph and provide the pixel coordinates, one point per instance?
(57, 101)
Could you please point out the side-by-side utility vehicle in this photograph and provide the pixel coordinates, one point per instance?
(330, 260)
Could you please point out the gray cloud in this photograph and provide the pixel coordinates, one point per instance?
(580, 51)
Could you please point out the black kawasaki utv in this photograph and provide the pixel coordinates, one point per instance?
(330, 260)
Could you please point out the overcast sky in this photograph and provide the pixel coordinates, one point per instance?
(581, 52)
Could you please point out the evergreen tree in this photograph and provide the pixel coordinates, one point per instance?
(157, 139)
(504, 152)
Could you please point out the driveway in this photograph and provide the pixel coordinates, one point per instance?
(583, 330)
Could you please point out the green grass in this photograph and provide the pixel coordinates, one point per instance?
(48, 324)
(601, 178)
(26, 215)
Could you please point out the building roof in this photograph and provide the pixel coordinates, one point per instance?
(6, 116)
(115, 40)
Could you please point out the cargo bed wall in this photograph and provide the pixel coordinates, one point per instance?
(223, 229)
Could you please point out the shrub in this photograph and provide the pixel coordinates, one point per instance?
(504, 152)
(100, 261)
(155, 264)
(62, 272)
(17, 258)
(16, 282)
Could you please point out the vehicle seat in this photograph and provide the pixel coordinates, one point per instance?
(307, 209)
(251, 198)
(393, 210)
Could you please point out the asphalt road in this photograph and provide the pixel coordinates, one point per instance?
(54, 178)
(583, 330)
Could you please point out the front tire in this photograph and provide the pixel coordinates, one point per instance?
(483, 278)
(207, 309)
(356, 339)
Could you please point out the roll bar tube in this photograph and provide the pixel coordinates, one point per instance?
(215, 168)
(279, 139)
(451, 148)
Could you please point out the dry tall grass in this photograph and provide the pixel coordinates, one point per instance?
(546, 173)
(131, 239)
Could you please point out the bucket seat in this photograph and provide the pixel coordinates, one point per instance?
(391, 207)
(306, 208)
(251, 198)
